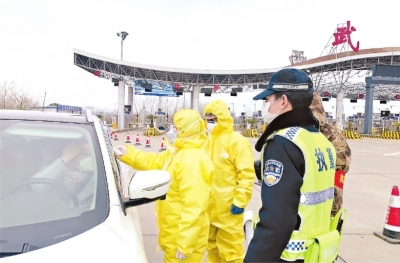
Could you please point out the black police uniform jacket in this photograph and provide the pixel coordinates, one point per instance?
(280, 202)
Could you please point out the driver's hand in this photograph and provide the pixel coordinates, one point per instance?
(70, 152)
(120, 150)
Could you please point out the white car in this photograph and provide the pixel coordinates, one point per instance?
(61, 191)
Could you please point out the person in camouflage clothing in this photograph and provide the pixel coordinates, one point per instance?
(343, 152)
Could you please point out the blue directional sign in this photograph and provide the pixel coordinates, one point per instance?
(154, 88)
(68, 108)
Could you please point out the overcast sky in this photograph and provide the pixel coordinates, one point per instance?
(38, 37)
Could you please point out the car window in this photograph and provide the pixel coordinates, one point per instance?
(52, 181)
(114, 163)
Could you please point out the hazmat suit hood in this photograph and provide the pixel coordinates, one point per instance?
(318, 109)
(190, 129)
(221, 111)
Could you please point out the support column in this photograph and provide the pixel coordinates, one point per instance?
(339, 108)
(121, 104)
(369, 106)
(191, 99)
(194, 98)
(130, 97)
(130, 102)
(142, 117)
(159, 103)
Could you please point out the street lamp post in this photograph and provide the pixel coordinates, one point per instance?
(123, 35)
(121, 88)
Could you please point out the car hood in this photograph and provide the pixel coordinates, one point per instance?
(115, 240)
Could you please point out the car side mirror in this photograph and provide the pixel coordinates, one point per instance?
(147, 186)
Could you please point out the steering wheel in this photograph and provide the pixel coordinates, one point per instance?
(51, 182)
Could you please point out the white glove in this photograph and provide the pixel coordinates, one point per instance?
(120, 150)
(179, 255)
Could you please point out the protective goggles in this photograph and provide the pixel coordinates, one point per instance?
(209, 116)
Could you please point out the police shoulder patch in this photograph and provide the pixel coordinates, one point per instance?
(273, 171)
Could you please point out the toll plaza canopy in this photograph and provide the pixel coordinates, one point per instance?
(111, 68)
(330, 75)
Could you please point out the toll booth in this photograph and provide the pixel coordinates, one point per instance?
(128, 120)
(330, 119)
(388, 123)
(379, 123)
(135, 120)
(259, 124)
(355, 123)
(359, 124)
(242, 121)
(257, 114)
(161, 121)
(376, 125)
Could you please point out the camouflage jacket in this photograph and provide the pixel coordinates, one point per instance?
(343, 152)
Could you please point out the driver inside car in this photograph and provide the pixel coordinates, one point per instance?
(74, 169)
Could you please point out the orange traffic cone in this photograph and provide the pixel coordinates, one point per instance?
(391, 230)
(163, 148)
(137, 141)
(148, 142)
(115, 137)
(128, 138)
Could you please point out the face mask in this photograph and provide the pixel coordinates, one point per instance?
(211, 126)
(267, 116)
(171, 135)
(86, 165)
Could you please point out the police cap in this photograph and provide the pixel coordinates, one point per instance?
(287, 79)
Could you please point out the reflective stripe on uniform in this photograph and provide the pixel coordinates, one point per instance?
(296, 246)
(317, 197)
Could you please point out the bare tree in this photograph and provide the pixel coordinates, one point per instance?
(17, 98)
(169, 105)
(174, 104)
(147, 103)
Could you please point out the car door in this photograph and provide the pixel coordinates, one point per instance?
(122, 178)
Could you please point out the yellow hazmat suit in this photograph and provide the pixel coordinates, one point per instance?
(233, 184)
(182, 217)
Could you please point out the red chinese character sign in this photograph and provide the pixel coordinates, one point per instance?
(343, 36)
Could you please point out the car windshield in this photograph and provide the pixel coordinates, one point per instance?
(52, 182)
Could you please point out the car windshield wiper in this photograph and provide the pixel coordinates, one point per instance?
(10, 249)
